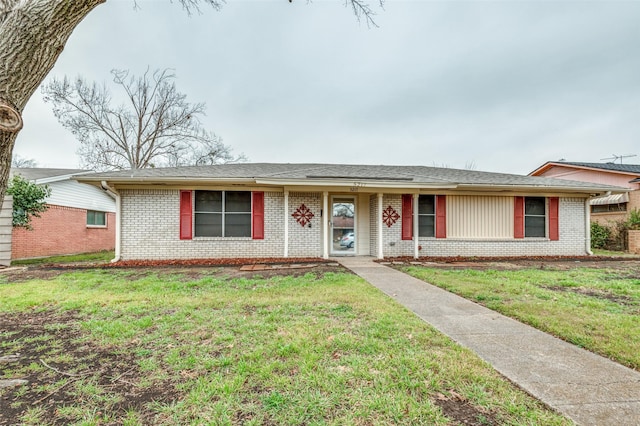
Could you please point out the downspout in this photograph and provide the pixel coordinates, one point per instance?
(587, 225)
(115, 194)
(286, 224)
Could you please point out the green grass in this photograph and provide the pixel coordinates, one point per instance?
(598, 309)
(287, 351)
(601, 252)
(101, 256)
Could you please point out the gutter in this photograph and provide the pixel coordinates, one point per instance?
(115, 194)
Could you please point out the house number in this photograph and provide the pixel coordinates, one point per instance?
(356, 186)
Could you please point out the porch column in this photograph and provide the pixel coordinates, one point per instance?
(380, 242)
(325, 225)
(286, 223)
(416, 234)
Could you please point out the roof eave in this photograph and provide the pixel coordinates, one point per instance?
(590, 190)
(355, 183)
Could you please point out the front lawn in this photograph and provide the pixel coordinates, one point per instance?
(595, 308)
(207, 346)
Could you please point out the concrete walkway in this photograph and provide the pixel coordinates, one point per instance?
(587, 388)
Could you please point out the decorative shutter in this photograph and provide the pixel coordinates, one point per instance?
(518, 217)
(554, 207)
(185, 215)
(441, 216)
(257, 215)
(407, 216)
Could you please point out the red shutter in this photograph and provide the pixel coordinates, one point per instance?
(257, 215)
(554, 207)
(407, 216)
(518, 217)
(441, 216)
(185, 215)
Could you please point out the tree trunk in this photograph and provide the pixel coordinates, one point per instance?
(32, 36)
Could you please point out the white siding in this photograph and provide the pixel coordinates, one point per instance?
(479, 217)
(6, 216)
(362, 223)
(69, 193)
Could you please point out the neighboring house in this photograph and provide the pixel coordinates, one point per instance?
(609, 208)
(288, 210)
(80, 218)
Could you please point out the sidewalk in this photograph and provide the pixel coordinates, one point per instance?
(587, 388)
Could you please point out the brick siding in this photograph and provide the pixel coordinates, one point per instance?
(62, 230)
(572, 240)
(150, 222)
(634, 242)
(150, 230)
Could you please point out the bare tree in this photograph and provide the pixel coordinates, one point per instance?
(33, 33)
(22, 162)
(154, 127)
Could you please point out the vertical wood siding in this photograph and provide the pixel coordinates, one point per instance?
(479, 217)
(6, 217)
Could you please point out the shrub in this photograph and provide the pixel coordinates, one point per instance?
(634, 219)
(599, 235)
(28, 200)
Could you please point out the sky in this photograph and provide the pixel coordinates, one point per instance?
(499, 86)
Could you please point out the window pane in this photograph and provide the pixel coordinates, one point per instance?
(100, 219)
(236, 201)
(237, 225)
(96, 218)
(426, 204)
(208, 201)
(534, 226)
(534, 206)
(208, 225)
(426, 226)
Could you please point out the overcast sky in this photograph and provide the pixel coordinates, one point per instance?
(501, 85)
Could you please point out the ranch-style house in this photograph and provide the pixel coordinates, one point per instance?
(269, 210)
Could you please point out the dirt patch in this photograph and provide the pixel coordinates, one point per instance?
(65, 372)
(598, 294)
(628, 267)
(456, 408)
(189, 272)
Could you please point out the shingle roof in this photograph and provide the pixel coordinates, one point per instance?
(37, 173)
(626, 168)
(413, 175)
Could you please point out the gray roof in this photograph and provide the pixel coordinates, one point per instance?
(412, 175)
(37, 173)
(625, 168)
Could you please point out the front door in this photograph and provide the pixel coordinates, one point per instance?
(343, 226)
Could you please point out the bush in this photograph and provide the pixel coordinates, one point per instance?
(634, 220)
(599, 235)
(28, 200)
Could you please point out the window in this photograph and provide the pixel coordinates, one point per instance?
(222, 214)
(96, 218)
(427, 215)
(605, 208)
(535, 223)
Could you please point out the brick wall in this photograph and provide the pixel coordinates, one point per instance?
(62, 230)
(571, 243)
(634, 242)
(150, 230)
(150, 221)
(305, 241)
